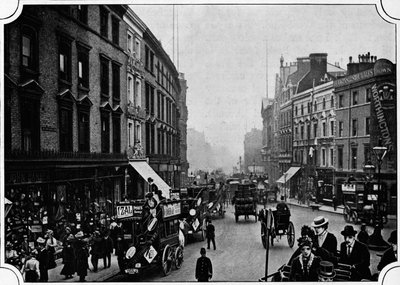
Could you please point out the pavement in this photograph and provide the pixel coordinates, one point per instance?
(102, 273)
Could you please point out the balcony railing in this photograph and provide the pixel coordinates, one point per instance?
(57, 155)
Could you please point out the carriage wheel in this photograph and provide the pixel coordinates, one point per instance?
(346, 214)
(290, 234)
(178, 257)
(354, 217)
(166, 261)
(264, 238)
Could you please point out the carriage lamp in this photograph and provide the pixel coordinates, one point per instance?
(376, 241)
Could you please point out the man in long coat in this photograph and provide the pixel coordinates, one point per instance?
(356, 254)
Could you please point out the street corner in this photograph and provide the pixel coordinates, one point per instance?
(10, 275)
(390, 274)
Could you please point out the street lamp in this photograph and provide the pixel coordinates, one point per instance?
(376, 241)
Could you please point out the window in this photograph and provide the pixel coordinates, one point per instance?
(340, 129)
(103, 22)
(29, 48)
(308, 131)
(331, 156)
(367, 125)
(323, 104)
(149, 60)
(83, 67)
(355, 97)
(367, 153)
(302, 132)
(152, 135)
(138, 93)
(65, 125)
(296, 133)
(340, 157)
(83, 13)
(341, 101)
(130, 89)
(354, 125)
(116, 134)
(296, 109)
(308, 108)
(323, 157)
(137, 48)
(332, 123)
(302, 109)
(332, 102)
(131, 134)
(354, 157)
(64, 51)
(159, 105)
(315, 129)
(138, 133)
(323, 129)
(83, 131)
(104, 77)
(149, 99)
(105, 132)
(129, 42)
(368, 95)
(116, 82)
(30, 124)
(315, 106)
(115, 30)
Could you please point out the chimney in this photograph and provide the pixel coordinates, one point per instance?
(318, 62)
(350, 59)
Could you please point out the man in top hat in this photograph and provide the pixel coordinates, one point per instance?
(326, 273)
(43, 258)
(390, 255)
(355, 254)
(325, 239)
(305, 266)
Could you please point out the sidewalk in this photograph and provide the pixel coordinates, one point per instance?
(101, 274)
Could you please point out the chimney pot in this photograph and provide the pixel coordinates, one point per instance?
(350, 59)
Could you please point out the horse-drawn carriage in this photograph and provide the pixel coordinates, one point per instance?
(276, 223)
(155, 235)
(216, 202)
(245, 201)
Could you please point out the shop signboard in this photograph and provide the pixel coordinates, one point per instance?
(171, 209)
(124, 211)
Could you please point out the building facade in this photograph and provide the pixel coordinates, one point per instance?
(252, 155)
(183, 111)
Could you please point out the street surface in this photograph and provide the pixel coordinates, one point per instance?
(240, 255)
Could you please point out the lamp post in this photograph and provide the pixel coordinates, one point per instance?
(376, 241)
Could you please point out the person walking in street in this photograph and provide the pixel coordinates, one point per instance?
(325, 239)
(305, 266)
(334, 202)
(43, 258)
(204, 269)
(113, 232)
(81, 256)
(51, 244)
(355, 254)
(96, 251)
(68, 258)
(108, 248)
(210, 234)
(120, 250)
(32, 267)
(390, 255)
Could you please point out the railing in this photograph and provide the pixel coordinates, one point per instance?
(57, 155)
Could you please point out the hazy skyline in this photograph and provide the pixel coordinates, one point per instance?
(222, 52)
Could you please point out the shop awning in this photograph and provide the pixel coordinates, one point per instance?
(146, 171)
(289, 174)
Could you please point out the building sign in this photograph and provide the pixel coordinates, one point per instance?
(171, 209)
(348, 188)
(353, 78)
(124, 211)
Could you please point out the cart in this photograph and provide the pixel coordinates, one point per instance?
(216, 205)
(245, 201)
(360, 203)
(155, 235)
(280, 226)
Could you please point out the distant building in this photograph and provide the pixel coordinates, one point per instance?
(252, 155)
(183, 111)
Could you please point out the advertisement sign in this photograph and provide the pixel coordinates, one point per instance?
(171, 209)
(124, 211)
(150, 254)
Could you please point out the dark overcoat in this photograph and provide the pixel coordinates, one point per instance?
(300, 272)
(359, 257)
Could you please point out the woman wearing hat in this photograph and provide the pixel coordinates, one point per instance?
(31, 268)
(51, 244)
(324, 238)
(305, 266)
(355, 254)
(68, 258)
(81, 256)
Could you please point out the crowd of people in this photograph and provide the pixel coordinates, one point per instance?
(74, 247)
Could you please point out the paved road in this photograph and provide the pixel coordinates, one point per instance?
(240, 255)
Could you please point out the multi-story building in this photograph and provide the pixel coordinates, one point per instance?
(183, 111)
(65, 100)
(252, 155)
(365, 116)
(269, 160)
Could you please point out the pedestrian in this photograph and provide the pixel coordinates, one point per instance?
(325, 239)
(363, 235)
(204, 269)
(65, 235)
(107, 249)
(113, 232)
(210, 234)
(11, 254)
(120, 250)
(334, 202)
(32, 267)
(96, 250)
(51, 244)
(68, 258)
(355, 254)
(25, 248)
(43, 258)
(390, 255)
(81, 256)
(305, 266)
(326, 272)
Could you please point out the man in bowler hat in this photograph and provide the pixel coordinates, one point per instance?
(355, 254)
(203, 267)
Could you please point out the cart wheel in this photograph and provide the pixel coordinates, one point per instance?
(166, 261)
(346, 214)
(354, 217)
(178, 257)
(264, 238)
(290, 234)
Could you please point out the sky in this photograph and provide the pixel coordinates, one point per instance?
(227, 51)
